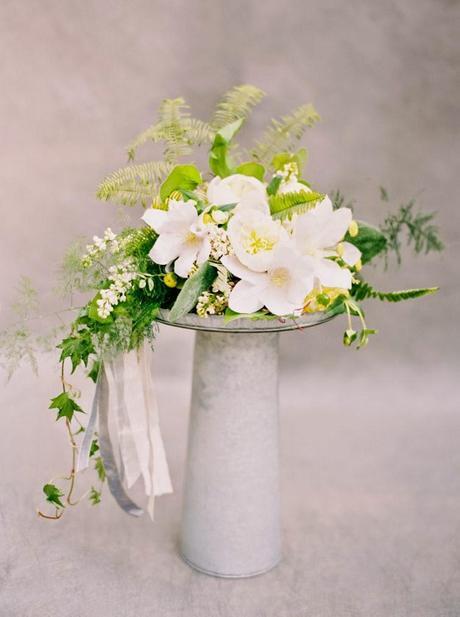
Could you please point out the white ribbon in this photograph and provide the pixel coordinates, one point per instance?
(125, 386)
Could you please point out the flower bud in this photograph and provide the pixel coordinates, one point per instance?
(358, 265)
(340, 249)
(353, 229)
(219, 217)
(170, 279)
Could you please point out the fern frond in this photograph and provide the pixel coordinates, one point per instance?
(283, 134)
(285, 205)
(176, 129)
(363, 290)
(134, 184)
(237, 103)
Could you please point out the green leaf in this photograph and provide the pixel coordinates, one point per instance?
(363, 290)
(94, 447)
(191, 291)
(65, 405)
(337, 307)
(274, 185)
(94, 496)
(370, 241)
(219, 161)
(285, 205)
(100, 469)
(251, 169)
(53, 495)
(93, 374)
(77, 347)
(230, 315)
(182, 177)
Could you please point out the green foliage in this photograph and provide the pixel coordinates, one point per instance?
(65, 405)
(362, 290)
(185, 177)
(283, 135)
(176, 130)
(53, 495)
(93, 373)
(78, 348)
(251, 169)
(420, 232)
(94, 496)
(26, 302)
(236, 104)
(100, 469)
(192, 289)
(285, 205)
(219, 160)
(94, 448)
(135, 184)
(370, 241)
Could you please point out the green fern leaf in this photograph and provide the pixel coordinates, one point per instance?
(176, 129)
(236, 104)
(283, 134)
(136, 184)
(285, 205)
(363, 290)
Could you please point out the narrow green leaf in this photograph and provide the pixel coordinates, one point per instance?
(182, 177)
(191, 291)
(363, 290)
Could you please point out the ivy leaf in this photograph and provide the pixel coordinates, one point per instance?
(218, 155)
(65, 405)
(256, 170)
(100, 469)
(77, 347)
(182, 177)
(93, 448)
(53, 495)
(192, 290)
(370, 241)
(94, 496)
(95, 368)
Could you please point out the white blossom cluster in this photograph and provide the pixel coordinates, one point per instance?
(121, 276)
(108, 243)
(210, 303)
(220, 242)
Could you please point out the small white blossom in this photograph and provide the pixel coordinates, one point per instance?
(220, 242)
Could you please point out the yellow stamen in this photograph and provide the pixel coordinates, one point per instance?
(254, 243)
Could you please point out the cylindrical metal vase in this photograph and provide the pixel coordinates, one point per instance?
(231, 514)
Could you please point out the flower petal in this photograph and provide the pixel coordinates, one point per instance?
(166, 248)
(155, 218)
(330, 274)
(351, 254)
(244, 298)
(235, 267)
(204, 251)
(184, 262)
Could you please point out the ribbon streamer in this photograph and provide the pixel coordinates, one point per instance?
(125, 395)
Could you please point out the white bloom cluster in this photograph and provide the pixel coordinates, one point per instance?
(121, 276)
(220, 242)
(108, 243)
(211, 304)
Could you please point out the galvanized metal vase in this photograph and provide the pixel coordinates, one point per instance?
(231, 508)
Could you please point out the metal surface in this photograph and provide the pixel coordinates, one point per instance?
(244, 325)
(230, 524)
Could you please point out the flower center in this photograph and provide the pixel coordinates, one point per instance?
(280, 276)
(191, 239)
(254, 243)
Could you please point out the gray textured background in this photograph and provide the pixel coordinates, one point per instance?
(370, 439)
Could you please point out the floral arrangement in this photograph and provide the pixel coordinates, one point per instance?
(248, 238)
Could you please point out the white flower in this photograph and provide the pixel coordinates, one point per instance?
(182, 236)
(246, 191)
(254, 237)
(317, 234)
(282, 288)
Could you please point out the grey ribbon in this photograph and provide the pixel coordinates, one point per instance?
(106, 448)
